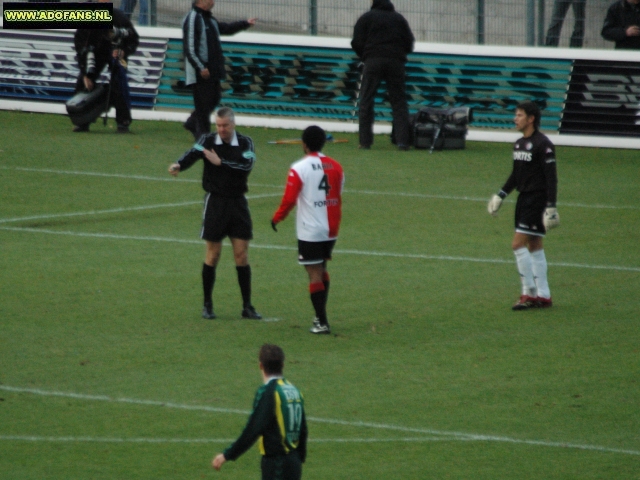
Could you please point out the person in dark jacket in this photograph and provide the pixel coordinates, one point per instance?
(278, 420)
(97, 48)
(204, 61)
(622, 24)
(382, 39)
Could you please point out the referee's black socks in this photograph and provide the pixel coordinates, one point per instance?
(244, 280)
(208, 280)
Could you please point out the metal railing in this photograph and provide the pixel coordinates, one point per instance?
(468, 22)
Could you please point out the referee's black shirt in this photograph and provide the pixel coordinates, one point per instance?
(230, 178)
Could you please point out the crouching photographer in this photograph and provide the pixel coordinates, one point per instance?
(97, 48)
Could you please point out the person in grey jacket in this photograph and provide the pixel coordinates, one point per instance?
(204, 61)
(382, 39)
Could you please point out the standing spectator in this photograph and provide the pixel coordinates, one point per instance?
(382, 39)
(278, 419)
(560, 8)
(534, 176)
(622, 24)
(128, 6)
(315, 185)
(228, 159)
(204, 61)
(97, 48)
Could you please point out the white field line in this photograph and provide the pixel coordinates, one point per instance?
(118, 210)
(374, 426)
(281, 187)
(38, 438)
(416, 256)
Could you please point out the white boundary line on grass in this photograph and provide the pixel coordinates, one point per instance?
(458, 436)
(358, 192)
(120, 210)
(417, 256)
(36, 438)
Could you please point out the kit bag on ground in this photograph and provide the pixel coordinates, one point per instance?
(441, 128)
(84, 107)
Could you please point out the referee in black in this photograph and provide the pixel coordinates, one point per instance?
(228, 159)
(278, 420)
(534, 176)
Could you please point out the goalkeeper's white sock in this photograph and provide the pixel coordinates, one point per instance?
(525, 268)
(539, 264)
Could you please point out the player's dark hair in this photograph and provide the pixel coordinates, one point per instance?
(314, 137)
(272, 359)
(531, 109)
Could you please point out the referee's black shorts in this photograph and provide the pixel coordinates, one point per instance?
(529, 212)
(282, 467)
(226, 216)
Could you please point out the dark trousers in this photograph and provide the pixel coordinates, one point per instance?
(116, 95)
(206, 97)
(282, 467)
(560, 8)
(392, 71)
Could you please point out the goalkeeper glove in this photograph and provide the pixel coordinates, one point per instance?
(494, 204)
(551, 219)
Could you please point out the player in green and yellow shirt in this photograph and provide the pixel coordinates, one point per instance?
(277, 420)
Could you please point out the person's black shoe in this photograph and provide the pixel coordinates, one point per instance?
(250, 313)
(403, 148)
(80, 128)
(123, 129)
(364, 147)
(207, 311)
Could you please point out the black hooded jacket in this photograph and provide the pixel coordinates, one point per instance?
(620, 16)
(382, 33)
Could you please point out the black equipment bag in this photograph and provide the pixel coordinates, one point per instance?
(84, 107)
(441, 128)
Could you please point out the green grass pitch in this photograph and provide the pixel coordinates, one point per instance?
(107, 370)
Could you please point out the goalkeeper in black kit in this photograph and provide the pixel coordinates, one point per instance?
(534, 176)
(278, 421)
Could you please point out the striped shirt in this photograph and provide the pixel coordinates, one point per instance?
(314, 185)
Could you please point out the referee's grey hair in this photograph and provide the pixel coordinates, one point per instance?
(226, 112)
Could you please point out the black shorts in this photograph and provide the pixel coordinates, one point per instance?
(224, 216)
(312, 253)
(529, 212)
(282, 467)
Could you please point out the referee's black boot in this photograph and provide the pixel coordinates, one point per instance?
(250, 313)
(207, 311)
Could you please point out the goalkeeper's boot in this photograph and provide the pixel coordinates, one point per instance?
(207, 311)
(525, 302)
(542, 302)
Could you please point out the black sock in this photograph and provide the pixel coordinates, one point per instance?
(244, 280)
(208, 280)
(319, 300)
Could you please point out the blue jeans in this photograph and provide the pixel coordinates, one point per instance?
(127, 6)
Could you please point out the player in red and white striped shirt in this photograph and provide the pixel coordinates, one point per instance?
(314, 185)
